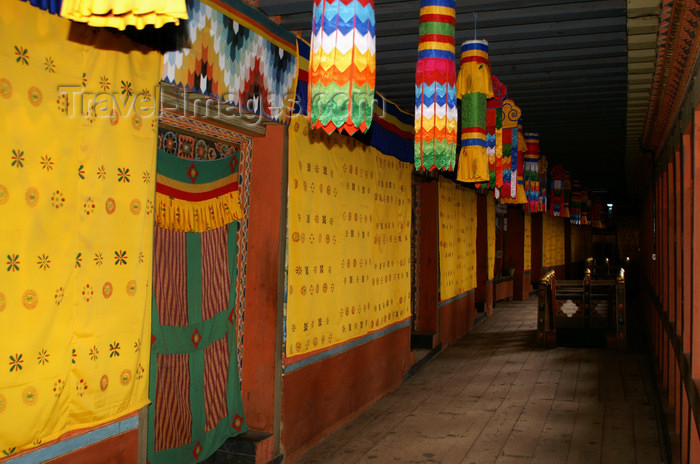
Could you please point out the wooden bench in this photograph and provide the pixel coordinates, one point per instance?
(588, 312)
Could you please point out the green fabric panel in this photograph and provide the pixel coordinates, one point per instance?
(436, 27)
(177, 169)
(474, 110)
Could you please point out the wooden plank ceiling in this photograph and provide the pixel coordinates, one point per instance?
(564, 62)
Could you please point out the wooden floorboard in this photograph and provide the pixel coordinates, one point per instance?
(495, 397)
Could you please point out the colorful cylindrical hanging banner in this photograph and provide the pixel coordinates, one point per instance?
(532, 171)
(474, 87)
(435, 144)
(342, 66)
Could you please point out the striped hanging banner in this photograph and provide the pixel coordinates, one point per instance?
(519, 149)
(494, 135)
(532, 171)
(511, 115)
(474, 86)
(544, 184)
(435, 143)
(342, 67)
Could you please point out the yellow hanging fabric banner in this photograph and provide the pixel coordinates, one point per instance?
(349, 240)
(491, 235)
(527, 243)
(553, 243)
(121, 13)
(76, 221)
(457, 206)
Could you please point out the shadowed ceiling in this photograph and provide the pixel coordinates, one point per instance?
(565, 63)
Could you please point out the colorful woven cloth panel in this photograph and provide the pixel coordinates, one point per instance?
(349, 240)
(553, 242)
(494, 135)
(194, 196)
(121, 13)
(520, 195)
(391, 131)
(457, 238)
(435, 143)
(556, 202)
(76, 212)
(511, 116)
(491, 236)
(474, 86)
(566, 211)
(342, 66)
(194, 383)
(543, 200)
(532, 171)
(237, 55)
(527, 242)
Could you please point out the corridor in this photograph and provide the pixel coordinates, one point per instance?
(495, 397)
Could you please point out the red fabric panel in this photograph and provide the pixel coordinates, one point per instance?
(216, 283)
(173, 421)
(216, 365)
(170, 277)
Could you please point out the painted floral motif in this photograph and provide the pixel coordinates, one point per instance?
(9, 451)
(149, 207)
(110, 206)
(3, 302)
(114, 118)
(136, 122)
(101, 172)
(114, 349)
(135, 206)
(46, 162)
(58, 296)
(30, 396)
(131, 288)
(35, 96)
(81, 172)
(125, 377)
(237, 422)
(98, 258)
(137, 345)
(107, 289)
(94, 352)
(123, 175)
(146, 177)
(18, 158)
(120, 257)
(31, 196)
(13, 262)
(22, 55)
(16, 362)
(84, 80)
(141, 257)
(104, 83)
(139, 372)
(74, 356)
(58, 387)
(62, 103)
(44, 262)
(104, 382)
(80, 387)
(127, 89)
(49, 65)
(89, 206)
(43, 357)
(88, 293)
(57, 199)
(5, 88)
(79, 260)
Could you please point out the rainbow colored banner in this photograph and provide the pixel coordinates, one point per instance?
(342, 67)
(436, 95)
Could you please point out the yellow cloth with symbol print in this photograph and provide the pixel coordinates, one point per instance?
(76, 215)
(349, 240)
(457, 205)
(553, 241)
(527, 243)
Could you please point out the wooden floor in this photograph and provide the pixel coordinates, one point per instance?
(494, 397)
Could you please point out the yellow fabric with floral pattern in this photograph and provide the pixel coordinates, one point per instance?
(76, 191)
(553, 245)
(527, 243)
(457, 236)
(491, 236)
(349, 240)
